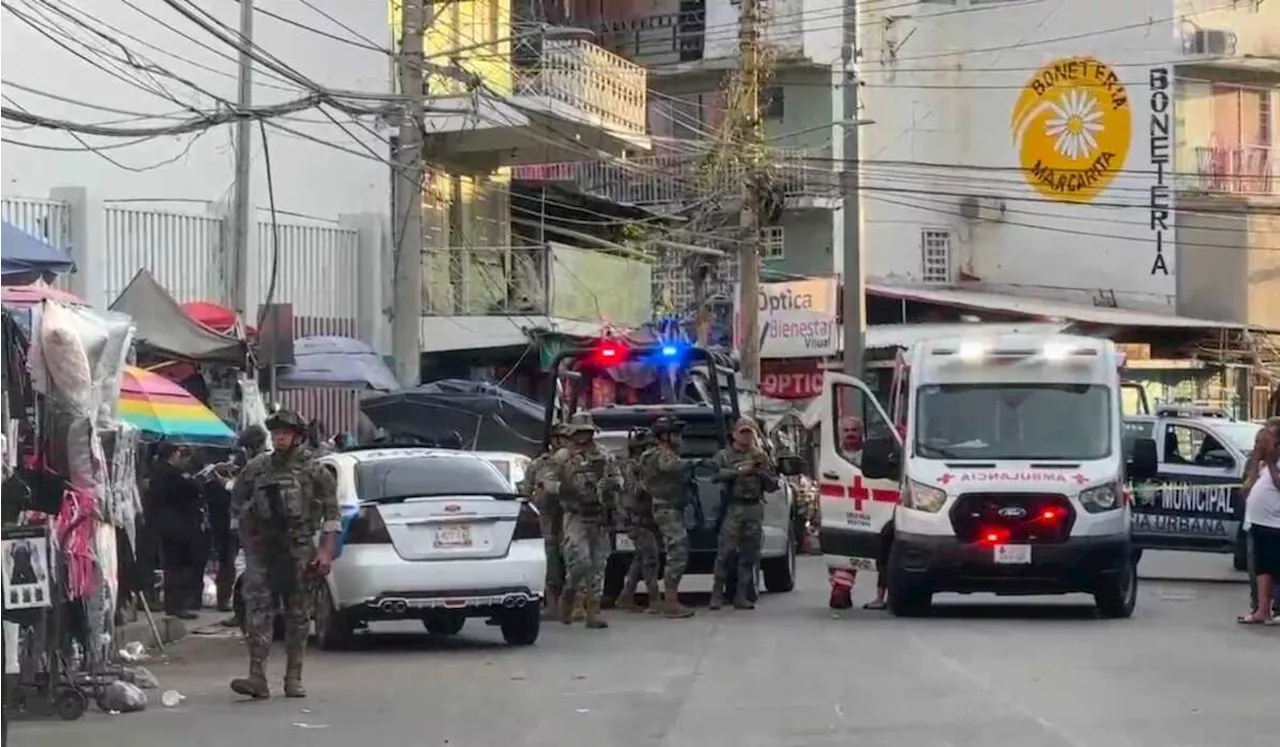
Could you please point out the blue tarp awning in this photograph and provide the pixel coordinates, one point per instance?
(26, 258)
(336, 363)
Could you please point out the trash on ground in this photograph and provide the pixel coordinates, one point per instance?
(140, 676)
(134, 651)
(171, 698)
(122, 696)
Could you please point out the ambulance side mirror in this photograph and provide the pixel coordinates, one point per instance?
(1143, 463)
(881, 459)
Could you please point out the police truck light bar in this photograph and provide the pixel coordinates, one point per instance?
(609, 353)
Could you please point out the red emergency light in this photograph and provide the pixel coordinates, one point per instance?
(609, 353)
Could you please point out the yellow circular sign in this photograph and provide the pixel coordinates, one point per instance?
(1072, 127)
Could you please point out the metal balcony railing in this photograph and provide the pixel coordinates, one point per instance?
(1244, 170)
(582, 75)
(481, 281)
(658, 38)
(675, 179)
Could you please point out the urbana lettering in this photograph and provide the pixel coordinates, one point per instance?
(1196, 499)
(1012, 477)
(1168, 524)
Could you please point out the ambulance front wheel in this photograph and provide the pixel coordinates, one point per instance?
(908, 596)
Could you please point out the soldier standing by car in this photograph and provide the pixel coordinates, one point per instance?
(636, 520)
(666, 478)
(750, 473)
(281, 500)
(551, 518)
(585, 481)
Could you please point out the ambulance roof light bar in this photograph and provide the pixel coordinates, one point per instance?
(976, 350)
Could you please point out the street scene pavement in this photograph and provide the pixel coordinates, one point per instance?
(1038, 672)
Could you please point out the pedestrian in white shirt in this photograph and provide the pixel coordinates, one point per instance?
(1262, 522)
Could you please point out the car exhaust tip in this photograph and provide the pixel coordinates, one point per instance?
(394, 606)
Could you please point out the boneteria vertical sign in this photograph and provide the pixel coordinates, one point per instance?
(1160, 139)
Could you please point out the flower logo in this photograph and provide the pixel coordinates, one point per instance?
(1072, 127)
(1074, 124)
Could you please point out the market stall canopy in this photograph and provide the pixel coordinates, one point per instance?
(27, 258)
(34, 293)
(162, 409)
(164, 326)
(217, 318)
(336, 363)
(487, 417)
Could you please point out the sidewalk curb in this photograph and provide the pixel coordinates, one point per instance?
(1244, 581)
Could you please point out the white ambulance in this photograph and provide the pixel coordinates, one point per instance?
(1002, 470)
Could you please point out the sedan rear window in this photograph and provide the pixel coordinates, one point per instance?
(387, 479)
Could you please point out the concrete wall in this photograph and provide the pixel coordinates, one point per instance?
(1228, 265)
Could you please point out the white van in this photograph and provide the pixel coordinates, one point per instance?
(1013, 480)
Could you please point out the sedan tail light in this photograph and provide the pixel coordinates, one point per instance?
(368, 528)
(528, 526)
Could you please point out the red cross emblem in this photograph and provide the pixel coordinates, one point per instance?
(1080, 479)
(859, 493)
(945, 479)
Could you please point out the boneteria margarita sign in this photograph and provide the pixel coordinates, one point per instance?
(1072, 127)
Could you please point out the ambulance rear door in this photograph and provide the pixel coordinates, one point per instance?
(855, 511)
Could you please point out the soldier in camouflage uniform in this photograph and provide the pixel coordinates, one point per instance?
(551, 518)
(635, 517)
(665, 476)
(750, 473)
(585, 480)
(281, 500)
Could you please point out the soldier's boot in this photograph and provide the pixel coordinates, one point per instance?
(580, 610)
(671, 607)
(568, 600)
(717, 594)
(592, 606)
(293, 677)
(655, 595)
(255, 685)
(552, 610)
(742, 600)
(627, 600)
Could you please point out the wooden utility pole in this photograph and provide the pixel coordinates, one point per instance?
(750, 142)
(407, 177)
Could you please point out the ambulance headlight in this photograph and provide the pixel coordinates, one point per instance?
(1101, 498)
(923, 497)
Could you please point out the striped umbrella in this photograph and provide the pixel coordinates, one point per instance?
(162, 409)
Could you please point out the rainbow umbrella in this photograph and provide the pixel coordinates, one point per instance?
(162, 409)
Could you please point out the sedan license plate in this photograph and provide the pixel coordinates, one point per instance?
(1012, 554)
(863, 564)
(456, 536)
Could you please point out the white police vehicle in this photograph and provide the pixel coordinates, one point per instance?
(1195, 502)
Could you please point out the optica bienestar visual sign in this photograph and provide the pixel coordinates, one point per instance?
(797, 319)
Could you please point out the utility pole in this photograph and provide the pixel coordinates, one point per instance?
(853, 275)
(749, 217)
(242, 264)
(407, 194)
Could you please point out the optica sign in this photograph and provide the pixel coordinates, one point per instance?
(797, 319)
(783, 378)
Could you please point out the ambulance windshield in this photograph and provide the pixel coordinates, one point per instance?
(1014, 421)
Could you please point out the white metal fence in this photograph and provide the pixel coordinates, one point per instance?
(46, 219)
(183, 252)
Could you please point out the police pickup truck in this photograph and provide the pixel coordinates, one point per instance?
(1195, 502)
(709, 410)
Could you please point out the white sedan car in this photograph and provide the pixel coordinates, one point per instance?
(434, 535)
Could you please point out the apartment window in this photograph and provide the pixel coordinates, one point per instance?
(1242, 116)
(935, 250)
(772, 105)
(771, 242)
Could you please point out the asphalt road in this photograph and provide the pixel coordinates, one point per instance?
(981, 671)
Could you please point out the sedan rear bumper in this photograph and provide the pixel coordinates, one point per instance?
(375, 578)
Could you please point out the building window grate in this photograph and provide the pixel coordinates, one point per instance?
(935, 250)
(772, 242)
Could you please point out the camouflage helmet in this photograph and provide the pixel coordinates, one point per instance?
(640, 440)
(667, 424)
(745, 424)
(580, 422)
(282, 420)
(559, 430)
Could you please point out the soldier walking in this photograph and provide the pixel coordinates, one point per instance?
(666, 478)
(585, 480)
(551, 517)
(636, 519)
(281, 500)
(750, 473)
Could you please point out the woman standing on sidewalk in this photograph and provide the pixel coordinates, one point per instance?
(1262, 522)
